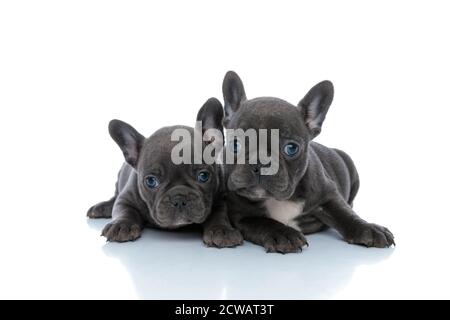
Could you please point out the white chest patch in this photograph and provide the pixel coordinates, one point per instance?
(285, 211)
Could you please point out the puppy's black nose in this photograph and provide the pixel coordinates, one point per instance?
(179, 202)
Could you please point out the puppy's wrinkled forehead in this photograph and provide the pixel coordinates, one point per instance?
(158, 147)
(270, 113)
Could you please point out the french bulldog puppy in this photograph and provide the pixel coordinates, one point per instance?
(153, 191)
(314, 186)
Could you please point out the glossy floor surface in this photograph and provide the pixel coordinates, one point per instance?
(159, 265)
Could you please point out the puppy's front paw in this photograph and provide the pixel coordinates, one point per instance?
(222, 237)
(121, 231)
(371, 235)
(285, 241)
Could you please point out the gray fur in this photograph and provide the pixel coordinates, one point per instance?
(179, 199)
(323, 179)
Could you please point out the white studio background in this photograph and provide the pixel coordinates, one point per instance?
(68, 67)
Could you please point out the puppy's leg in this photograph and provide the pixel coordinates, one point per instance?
(102, 209)
(127, 224)
(272, 235)
(217, 229)
(310, 223)
(338, 214)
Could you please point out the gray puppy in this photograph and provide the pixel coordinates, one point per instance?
(314, 186)
(153, 191)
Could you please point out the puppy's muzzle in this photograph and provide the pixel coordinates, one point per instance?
(247, 176)
(248, 181)
(181, 206)
(179, 201)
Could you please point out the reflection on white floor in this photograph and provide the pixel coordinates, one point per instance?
(64, 257)
(176, 265)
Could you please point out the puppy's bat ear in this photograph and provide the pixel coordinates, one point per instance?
(129, 140)
(314, 106)
(211, 117)
(233, 94)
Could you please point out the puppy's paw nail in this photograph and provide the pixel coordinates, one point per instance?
(372, 235)
(121, 231)
(285, 241)
(223, 237)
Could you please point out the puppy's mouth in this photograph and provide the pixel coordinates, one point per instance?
(179, 207)
(176, 225)
(260, 194)
(168, 217)
(254, 193)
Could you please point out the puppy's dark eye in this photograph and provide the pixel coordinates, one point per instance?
(291, 149)
(203, 176)
(236, 146)
(151, 182)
